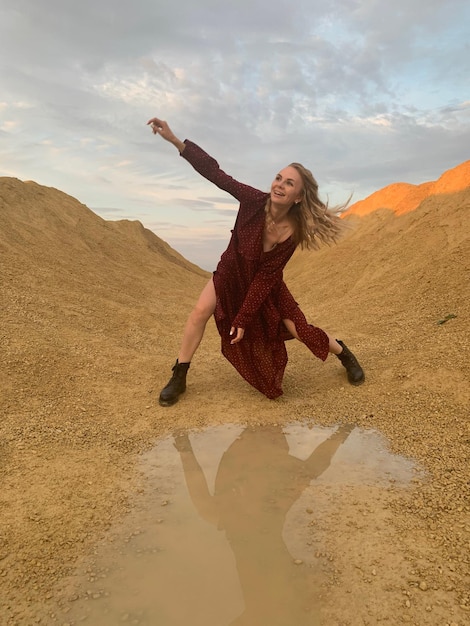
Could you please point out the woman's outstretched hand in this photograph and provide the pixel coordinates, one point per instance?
(160, 127)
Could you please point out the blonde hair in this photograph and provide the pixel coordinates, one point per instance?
(314, 222)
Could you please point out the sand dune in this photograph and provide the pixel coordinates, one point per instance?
(404, 197)
(90, 317)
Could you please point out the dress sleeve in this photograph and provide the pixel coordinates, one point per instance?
(208, 167)
(268, 275)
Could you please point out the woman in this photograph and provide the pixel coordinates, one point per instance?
(253, 309)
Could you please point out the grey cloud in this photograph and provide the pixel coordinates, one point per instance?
(193, 204)
(230, 214)
(160, 225)
(203, 253)
(220, 199)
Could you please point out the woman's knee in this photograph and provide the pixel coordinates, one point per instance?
(205, 306)
(201, 313)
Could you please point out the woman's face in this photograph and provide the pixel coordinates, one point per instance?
(286, 188)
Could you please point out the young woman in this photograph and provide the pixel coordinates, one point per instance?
(254, 311)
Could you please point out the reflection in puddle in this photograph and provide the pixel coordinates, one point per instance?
(218, 536)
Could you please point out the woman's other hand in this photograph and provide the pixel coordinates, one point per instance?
(239, 336)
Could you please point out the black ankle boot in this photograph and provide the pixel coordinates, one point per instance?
(176, 385)
(355, 372)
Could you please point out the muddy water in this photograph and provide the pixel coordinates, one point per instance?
(220, 534)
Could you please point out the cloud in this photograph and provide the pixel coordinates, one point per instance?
(362, 92)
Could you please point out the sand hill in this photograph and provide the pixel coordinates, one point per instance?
(91, 314)
(404, 197)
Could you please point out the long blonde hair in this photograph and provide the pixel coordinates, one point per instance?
(314, 222)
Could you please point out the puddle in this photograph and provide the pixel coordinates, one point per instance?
(222, 533)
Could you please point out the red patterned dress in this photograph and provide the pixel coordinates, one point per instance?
(250, 290)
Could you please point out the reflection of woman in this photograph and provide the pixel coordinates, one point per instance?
(253, 309)
(256, 485)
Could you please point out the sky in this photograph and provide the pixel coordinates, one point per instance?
(364, 93)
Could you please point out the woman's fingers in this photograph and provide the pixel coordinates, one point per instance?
(155, 121)
(156, 124)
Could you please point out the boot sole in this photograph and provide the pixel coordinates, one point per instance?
(359, 382)
(168, 402)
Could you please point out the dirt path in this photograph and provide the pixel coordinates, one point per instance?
(89, 334)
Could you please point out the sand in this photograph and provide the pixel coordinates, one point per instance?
(90, 318)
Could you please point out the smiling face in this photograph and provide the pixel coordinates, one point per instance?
(286, 188)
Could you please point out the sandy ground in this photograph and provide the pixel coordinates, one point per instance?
(90, 321)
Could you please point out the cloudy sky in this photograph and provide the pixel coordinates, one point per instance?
(363, 92)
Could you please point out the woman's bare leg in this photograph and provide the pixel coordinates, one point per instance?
(333, 346)
(193, 333)
(196, 323)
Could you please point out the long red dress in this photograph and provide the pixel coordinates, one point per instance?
(250, 290)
